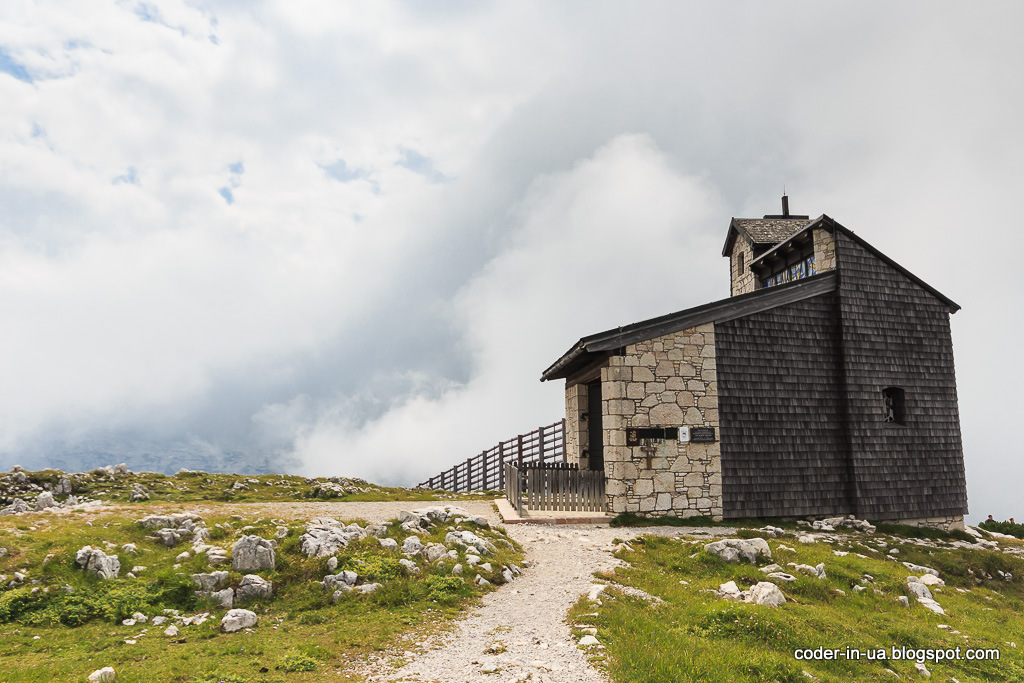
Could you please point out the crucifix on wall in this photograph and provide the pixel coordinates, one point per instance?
(649, 448)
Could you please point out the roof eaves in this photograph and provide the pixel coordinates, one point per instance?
(715, 311)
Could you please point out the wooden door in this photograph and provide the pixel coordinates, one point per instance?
(595, 432)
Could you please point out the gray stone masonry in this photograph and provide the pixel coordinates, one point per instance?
(743, 281)
(669, 381)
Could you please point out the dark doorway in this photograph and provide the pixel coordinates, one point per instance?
(594, 431)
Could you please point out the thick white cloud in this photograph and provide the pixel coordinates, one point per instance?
(354, 234)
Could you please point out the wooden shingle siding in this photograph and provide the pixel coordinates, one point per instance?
(895, 333)
(783, 444)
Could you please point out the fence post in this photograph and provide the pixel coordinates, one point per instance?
(540, 445)
(501, 464)
(520, 452)
(564, 455)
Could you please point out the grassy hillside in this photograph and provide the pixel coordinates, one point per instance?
(694, 635)
(60, 623)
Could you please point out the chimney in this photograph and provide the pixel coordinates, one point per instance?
(785, 206)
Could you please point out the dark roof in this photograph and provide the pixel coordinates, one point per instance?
(602, 344)
(768, 230)
(831, 225)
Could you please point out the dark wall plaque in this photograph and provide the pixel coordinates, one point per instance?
(635, 434)
(702, 434)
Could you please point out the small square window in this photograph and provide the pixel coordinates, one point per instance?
(893, 410)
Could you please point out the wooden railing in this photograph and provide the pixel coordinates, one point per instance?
(562, 487)
(514, 487)
(486, 471)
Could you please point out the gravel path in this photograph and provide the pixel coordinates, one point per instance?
(527, 617)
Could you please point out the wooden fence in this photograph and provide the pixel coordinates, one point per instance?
(563, 487)
(486, 471)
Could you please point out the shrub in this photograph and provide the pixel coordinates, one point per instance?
(294, 661)
(443, 588)
(375, 567)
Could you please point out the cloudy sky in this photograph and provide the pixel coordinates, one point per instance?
(346, 238)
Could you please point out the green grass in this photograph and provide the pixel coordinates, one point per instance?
(301, 634)
(188, 487)
(695, 636)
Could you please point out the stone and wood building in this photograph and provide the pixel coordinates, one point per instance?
(824, 385)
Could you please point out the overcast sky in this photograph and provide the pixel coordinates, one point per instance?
(346, 238)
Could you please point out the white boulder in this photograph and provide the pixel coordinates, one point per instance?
(237, 619)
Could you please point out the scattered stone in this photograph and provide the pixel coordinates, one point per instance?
(254, 587)
(735, 549)
(589, 641)
(103, 675)
(903, 600)
(806, 538)
(781, 576)
(931, 580)
(332, 563)
(410, 566)
(931, 605)
(45, 500)
(765, 593)
(922, 669)
(412, 546)
(210, 582)
(171, 631)
(918, 568)
(237, 619)
(95, 561)
(457, 570)
(121, 470)
(388, 543)
(16, 507)
(368, 588)
(252, 553)
(138, 493)
(918, 589)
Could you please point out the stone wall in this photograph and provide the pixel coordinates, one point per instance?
(669, 381)
(742, 281)
(576, 437)
(824, 250)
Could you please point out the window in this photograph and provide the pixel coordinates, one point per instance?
(893, 411)
(739, 263)
(796, 271)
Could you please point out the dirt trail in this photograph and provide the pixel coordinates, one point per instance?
(519, 632)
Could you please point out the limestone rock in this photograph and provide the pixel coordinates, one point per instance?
(589, 641)
(45, 500)
(903, 600)
(138, 493)
(121, 470)
(332, 563)
(735, 549)
(412, 546)
(388, 543)
(254, 587)
(103, 675)
(781, 576)
(410, 566)
(324, 539)
(918, 568)
(252, 553)
(918, 589)
(237, 619)
(765, 593)
(932, 580)
(171, 631)
(210, 582)
(95, 561)
(17, 506)
(368, 588)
